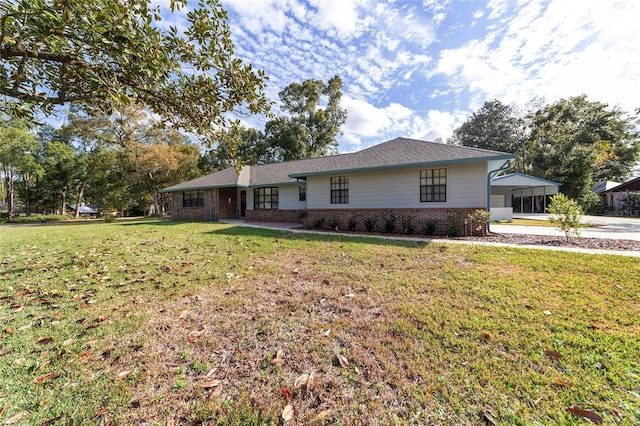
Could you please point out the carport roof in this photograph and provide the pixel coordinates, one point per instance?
(520, 180)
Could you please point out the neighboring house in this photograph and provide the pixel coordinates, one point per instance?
(414, 180)
(615, 195)
(84, 210)
(520, 193)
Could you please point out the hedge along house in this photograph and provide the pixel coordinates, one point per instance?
(412, 180)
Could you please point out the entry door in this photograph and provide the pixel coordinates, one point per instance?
(243, 202)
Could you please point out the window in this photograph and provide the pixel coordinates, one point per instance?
(340, 190)
(193, 199)
(265, 198)
(433, 185)
(302, 193)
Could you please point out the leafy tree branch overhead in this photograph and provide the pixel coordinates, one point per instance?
(100, 55)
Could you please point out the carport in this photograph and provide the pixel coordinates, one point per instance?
(520, 193)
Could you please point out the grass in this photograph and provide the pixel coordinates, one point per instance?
(163, 322)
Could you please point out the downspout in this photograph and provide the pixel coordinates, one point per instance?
(492, 174)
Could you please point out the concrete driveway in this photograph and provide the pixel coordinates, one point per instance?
(623, 228)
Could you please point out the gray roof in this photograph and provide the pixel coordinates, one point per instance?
(604, 185)
(522, 180)
(396, 153)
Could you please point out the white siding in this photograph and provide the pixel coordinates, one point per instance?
(288, 198)
(400, 188)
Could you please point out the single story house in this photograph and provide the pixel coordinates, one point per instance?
(413, 180)
(615, 194)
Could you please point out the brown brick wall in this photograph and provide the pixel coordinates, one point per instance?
(226, 209)
(272, 216)
(418, 218)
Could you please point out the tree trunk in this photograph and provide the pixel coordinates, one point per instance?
(9, 182)
(64, 200)
(156, 199)
(80, 193)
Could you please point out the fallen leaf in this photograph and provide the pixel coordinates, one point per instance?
(44, 377)
(216, 392)
(312, 381)
(342, 360)
(44, 340)
(211, 383)
(301, 381)
(326, 332)
(323, 414)
(16, 417)
(547, 313)
(553, 354)
(50, 421)
(279, 359)
(585, 414)
(123, 374)
(102, 412)
(287, 413)
(562, 384)
(3, 352)
(286, 393)
(212, 372)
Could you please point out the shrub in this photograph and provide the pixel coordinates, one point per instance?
(631, 204)
(351, 225)
(430, 227)
(592, 203)
(370, 224)
(407, 226)
(454, 226)
(334, 223)
(318, 223)
(35, 218)
(478, 220)
(303, 214)
(567, 214)
(108, 218)
(390, 223)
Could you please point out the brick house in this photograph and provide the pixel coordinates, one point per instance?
(412, 180)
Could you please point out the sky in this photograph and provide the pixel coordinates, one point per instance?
(420, 68)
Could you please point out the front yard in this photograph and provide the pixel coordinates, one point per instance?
(176, 323)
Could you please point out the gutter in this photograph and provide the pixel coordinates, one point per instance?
(492, 174)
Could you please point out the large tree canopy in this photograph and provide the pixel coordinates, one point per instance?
(101, 54)
(495, 126)
(309, 127)
(578, 142)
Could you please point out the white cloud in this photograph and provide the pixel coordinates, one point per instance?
(556, 51)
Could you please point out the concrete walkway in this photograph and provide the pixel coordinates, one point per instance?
(532, 230)
(621, 228)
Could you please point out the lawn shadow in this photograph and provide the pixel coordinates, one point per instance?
(239, 230)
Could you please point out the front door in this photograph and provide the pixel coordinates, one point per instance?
(243, 202)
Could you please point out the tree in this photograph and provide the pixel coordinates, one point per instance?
(103, 54)
(576, 142)
(18, 158)
(309, 129)
(567, 214)
(495, 126)
(314, 120)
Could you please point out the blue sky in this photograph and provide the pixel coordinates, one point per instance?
(420, 68)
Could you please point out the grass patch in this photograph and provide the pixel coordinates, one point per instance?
(192, 323)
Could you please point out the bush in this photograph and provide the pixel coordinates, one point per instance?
(454, 226)
(109, 218)
(478, 220)
(592, 203)
(567, 214)
(631, 204)
(334, 223)
(318, 223)
(370, 224)
(39, 218)
(390, 223)
(430, 227)
(407, 226)
(351, 225)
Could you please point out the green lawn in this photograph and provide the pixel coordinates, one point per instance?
(158, 322)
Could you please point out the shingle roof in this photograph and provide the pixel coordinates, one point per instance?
(520, 179)
(399, 152)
